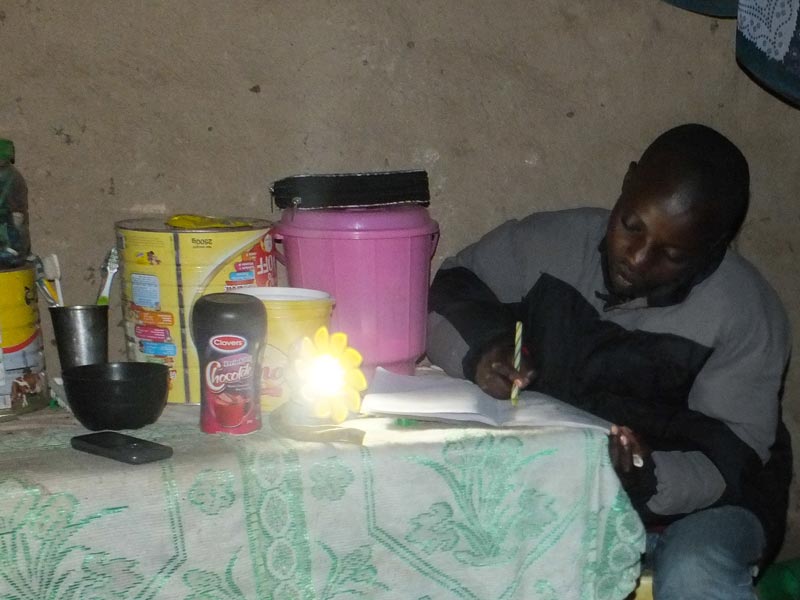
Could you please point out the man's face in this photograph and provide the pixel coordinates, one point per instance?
(653, 239)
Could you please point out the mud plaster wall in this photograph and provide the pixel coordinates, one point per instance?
(134, 109)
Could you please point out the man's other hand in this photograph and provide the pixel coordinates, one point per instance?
(627, 450)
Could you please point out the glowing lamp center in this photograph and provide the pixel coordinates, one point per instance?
(325, 376)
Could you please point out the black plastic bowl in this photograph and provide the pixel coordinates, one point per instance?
(119, 395)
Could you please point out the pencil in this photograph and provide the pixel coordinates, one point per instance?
(517, 360)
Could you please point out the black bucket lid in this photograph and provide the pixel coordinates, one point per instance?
(352, 190)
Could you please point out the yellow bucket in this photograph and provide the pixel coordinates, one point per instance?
(22, 379)
(292, 314)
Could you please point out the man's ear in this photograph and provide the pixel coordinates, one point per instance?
(629, 174)
(720, 243)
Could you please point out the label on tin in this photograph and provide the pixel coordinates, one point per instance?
(146, 291)
(229, 402)
(22, 382)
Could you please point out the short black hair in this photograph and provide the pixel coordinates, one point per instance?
(717, 166)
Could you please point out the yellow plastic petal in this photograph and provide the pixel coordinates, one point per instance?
(338, 343)
(355, 379)
(339, 411)
(351, 358)
(353, 400)
(321, 340)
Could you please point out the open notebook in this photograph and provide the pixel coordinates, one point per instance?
(437, 397)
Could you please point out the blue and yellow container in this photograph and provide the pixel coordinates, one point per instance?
(23, 386)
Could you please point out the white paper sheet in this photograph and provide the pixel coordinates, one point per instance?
(442, 398)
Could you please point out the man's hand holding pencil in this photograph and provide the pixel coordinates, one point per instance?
(504, 365)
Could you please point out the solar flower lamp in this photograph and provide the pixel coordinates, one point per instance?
(327, 376)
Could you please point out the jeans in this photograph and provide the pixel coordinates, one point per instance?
(708, 555)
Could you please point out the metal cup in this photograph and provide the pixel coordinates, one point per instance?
(81, 334)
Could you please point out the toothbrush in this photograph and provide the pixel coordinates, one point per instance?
(47, 289)
(110, 267)
(52, 271)
(45, 292)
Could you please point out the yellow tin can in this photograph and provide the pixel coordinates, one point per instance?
(164, 270)
(23, 386)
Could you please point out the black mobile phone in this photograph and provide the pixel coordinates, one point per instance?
(121, 447)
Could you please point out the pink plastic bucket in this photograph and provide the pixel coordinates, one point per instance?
(376, 263)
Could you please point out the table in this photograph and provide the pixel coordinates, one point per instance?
(424, 512)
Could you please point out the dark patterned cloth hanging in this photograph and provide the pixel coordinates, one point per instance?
(767, 39)
(712, 8)
(768, 44)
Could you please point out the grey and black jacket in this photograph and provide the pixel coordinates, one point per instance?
(696, 370)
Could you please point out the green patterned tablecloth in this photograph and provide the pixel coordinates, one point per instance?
(430, 512)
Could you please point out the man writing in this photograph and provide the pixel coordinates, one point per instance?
(645, 317)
